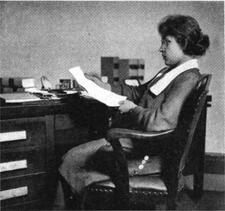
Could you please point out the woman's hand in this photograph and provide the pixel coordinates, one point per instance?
(126, 106)
(96, 79)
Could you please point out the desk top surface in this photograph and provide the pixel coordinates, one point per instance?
(48, 107)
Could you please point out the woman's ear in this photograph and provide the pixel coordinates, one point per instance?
(183, 42)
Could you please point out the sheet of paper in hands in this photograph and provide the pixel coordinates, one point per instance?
(107, 97)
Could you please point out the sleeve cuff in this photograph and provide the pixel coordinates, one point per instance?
(134, 112)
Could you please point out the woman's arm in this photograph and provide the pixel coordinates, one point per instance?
(133, 93)
(166, 115)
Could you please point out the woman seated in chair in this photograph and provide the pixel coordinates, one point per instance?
(153, 106)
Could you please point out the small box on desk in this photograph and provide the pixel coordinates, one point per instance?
(65, 83)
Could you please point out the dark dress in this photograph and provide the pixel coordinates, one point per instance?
(81, 166)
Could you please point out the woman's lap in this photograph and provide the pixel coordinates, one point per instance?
(81, 166)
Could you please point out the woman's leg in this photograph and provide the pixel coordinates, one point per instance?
(74, 166)
(75, 174)
(84, 164)
(81, 165)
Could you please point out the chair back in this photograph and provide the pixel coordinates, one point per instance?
(189, 118)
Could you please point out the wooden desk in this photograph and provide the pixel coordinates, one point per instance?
(32, 140)
(37, 136)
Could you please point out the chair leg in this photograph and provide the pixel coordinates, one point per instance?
(72, 201)
(122, 201)
(198, 178)
(171, 204)
(198, 185)
(199, 172)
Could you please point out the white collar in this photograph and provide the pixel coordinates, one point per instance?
(160, 85)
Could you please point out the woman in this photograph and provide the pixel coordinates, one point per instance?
(153, 106)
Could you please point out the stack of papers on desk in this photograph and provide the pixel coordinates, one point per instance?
(19, 97)
(42, 94)
(107, 97)
(29, 86)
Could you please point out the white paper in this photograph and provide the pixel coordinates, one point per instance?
(28, 83)
(36, 90)
(19, 97)
(69, 92)
(43, 92)
(107, 97)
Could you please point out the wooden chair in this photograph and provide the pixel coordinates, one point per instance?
(182, 154)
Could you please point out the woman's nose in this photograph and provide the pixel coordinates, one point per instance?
(161, 49)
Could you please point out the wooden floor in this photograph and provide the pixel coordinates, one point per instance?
(210, 200)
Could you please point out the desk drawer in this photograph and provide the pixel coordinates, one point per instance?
(22, 132)
(30, 205)
(22, 161)
(22, 189)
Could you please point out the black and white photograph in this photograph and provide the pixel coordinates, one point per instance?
(112, 105)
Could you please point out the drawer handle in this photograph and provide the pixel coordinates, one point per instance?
(12, 193)
(13, 165)
(13, 136)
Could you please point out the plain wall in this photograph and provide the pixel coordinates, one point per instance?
(48, 38)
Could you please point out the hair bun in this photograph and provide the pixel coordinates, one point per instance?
(201, 45)
(203, 41)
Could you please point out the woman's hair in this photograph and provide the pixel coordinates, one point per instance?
(187, 32)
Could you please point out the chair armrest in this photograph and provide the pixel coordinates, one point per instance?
(116, 133)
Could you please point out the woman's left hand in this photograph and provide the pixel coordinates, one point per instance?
(126, 106)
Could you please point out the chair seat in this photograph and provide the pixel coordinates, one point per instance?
(153, 182)
(146, 178)
(141, 188)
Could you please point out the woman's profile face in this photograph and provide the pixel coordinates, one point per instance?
(171, 51)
